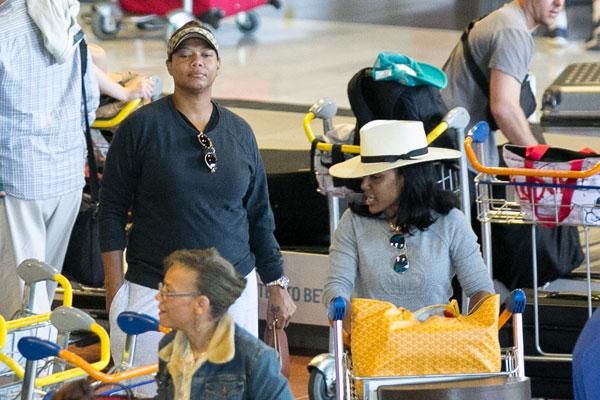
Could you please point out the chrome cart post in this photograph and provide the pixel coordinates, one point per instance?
(516, 304)
(336, 312)
(32, 272)
(34, 349)
(458, 118)
(325, 109)
(29, 380)
(133, 324)
(479, 133)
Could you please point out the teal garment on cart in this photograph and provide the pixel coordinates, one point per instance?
(408, 72)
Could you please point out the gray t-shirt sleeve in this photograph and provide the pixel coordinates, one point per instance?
(511, 52)
(466, 258)
(343, 261)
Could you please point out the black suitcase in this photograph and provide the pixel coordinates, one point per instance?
(562, 316)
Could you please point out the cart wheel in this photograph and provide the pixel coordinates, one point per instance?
(212, 17)
(317, 386)
(247, 22)
(105, 27)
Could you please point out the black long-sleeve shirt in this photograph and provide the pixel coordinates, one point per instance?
(156, 166)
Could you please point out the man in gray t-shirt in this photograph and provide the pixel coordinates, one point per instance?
(502, 46)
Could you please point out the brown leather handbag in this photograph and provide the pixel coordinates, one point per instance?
(277, 338)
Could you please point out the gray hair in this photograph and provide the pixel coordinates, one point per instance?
(216, 278)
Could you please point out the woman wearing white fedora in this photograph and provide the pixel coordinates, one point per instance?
(407, 240)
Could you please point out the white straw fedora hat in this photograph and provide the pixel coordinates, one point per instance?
(388, 144)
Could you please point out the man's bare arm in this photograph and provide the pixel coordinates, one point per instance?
(505, 92)
(113, 274)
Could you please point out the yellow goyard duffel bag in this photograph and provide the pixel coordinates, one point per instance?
(388, 341)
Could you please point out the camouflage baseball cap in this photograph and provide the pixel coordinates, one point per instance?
(190, 30)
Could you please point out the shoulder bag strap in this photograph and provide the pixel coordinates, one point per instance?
(476, 72)
(92, 168)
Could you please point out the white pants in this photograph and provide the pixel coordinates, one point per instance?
(37, 229)
(134, 297)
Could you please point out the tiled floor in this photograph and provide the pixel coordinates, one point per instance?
(295, 59)
(299, 376)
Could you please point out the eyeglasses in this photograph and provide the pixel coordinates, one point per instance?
(401, 261)
(210, 155)
(164, 293)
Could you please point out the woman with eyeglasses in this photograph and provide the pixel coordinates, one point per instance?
(407, 240)
(207, 355)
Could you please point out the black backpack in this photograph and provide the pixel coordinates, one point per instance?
(370, 100)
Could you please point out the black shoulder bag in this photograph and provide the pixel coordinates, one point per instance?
(526, 99)
(82, 261)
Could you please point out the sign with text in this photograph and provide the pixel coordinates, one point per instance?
(307, 274)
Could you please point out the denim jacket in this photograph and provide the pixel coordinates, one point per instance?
(237, 366)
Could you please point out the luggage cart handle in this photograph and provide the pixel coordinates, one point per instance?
(117, 119)
(32, 271)
(134, 323)
(456, 118)
(345, 148)
(549, 173)
(77, 372)
(69, 319)
(336, 310)
(33, 348)
(63, 375)
(514, 304)
(79, 362)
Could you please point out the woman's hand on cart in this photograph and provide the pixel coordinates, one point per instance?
(340, 309)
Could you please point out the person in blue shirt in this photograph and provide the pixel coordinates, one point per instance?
(586, 361)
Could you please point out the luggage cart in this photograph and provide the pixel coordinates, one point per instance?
(65, 320)
(25, 322)
(372, 386)
(132, 323)
(507, 210)
(31, 271)
(324, 149)
(325, 109)
(108, 16)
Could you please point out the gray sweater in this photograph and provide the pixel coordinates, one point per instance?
(361, 262)
(500, 41)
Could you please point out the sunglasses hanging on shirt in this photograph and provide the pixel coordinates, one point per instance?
(210, 155)
(400, 264)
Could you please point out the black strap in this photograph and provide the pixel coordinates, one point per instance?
(476, 72)
(92, 167)
(393, 158)
(526, 96)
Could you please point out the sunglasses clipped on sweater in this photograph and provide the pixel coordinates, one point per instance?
(210, 155)
(400, 264)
